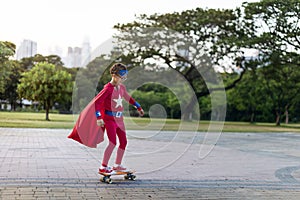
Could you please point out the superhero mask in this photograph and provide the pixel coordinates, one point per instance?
(123, 74)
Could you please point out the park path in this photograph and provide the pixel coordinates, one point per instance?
(44, 164)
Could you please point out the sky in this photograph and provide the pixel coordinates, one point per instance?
(64, 23)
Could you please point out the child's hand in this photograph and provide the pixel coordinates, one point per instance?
(100, 122)
(141, 112)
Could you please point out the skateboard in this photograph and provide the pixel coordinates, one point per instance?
(128, 175)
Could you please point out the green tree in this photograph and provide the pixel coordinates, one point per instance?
(276, 36)
(45, 84)
(276, 25)
(151, 94)
(27, 63)
(188, 42)
(281, 82)
(7, 50)
(11, 82)
(247, 101)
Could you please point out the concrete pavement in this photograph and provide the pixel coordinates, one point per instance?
(44, 164)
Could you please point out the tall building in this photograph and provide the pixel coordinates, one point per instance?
(27, 48)
(85, 53)
(73, 58)
(78, 56)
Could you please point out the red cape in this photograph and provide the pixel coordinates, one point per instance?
(86, 130)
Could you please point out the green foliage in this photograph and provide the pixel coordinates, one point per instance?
(192, 42)
(277, 39)
(247, 102)
(198, 44)
(150, 98)
(7, 50)
(12, 79)
(267, 93)
(45, 84)
(278, 23)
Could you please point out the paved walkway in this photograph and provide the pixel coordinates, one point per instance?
(44, 164)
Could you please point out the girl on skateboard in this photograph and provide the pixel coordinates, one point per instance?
(109, 114)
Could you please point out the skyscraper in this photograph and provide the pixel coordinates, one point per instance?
(73, 58)
(86, 52)
(27, 48)
(78, 56)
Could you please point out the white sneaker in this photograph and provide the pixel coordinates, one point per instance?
(105, 170)
(119, 168)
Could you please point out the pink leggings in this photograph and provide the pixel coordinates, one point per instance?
(113, 129)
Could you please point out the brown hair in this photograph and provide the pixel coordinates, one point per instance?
(116, 68)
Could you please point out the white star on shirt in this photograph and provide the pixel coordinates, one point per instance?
(118, 101)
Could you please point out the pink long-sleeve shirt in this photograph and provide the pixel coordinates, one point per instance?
(110, 98)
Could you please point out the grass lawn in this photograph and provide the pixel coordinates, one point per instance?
(37, 120)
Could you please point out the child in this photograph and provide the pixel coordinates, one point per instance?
(109, 113)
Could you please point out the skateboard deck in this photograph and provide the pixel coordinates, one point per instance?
(128, 175)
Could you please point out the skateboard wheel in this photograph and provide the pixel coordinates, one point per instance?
(130, 176)
(133, 177)
(106, 180)
(109, 181)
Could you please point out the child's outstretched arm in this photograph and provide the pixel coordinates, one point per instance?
(133, 102)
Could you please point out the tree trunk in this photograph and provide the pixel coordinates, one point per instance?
(13, 106)
(20, 104)
(277, 118)
(47, 114)
(252, 118)
(47, 104)
(286, 115)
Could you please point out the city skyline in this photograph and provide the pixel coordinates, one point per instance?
(56, 25)
(27, 48)
(75, 56)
